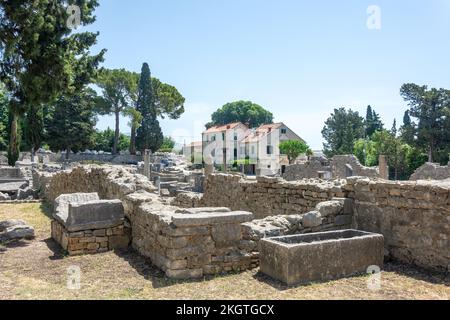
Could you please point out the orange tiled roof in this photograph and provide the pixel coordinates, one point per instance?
(223, 127)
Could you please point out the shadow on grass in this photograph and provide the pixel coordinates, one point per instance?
(47, 209)
(152, 273)
(19, 243)
(433, 277)
(55, 248)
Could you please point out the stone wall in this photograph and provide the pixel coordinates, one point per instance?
(340, 163)
(431, 171)
(306, 170)
(414, 218)
(336, 214)
(90, 241)
(110, 182)
(264, 196)
(191, 244)
(340, 167)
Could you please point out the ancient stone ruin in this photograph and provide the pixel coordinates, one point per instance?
(221, 230)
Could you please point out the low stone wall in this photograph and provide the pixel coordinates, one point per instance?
(191, 244)
(110, 182)
(414, 218)
(90, 241)
(431, 171)
(307, 170)
(330, 215)
(263, 197)
(339, 168)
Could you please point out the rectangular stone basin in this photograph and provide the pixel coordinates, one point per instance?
(307, 258)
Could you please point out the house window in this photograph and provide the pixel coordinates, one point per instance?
(235, 153)
(213, 152)
(283, 131)
(213, 138)
(269, 149)
(223, 136)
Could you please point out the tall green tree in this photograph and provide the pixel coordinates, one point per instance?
(34, 128)
(373, 122)
(341, 130)
(118, 90)
(408, 129)
(431, 107)
(72, 127)
(155, 99)
(3, 118)
(41, 57)
(245, 112)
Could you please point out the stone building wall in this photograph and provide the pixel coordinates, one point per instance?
(339, 167)
(414, 218)
(431, 171)
(305, 170)
(264, 196)
(191, 245)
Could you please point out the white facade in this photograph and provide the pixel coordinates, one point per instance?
(257, 148)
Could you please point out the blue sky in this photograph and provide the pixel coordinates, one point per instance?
(299, 59)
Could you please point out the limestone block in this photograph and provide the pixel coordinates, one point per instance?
(199, 219)
(312, 219)
(226, 235)
(327, 208)
(91, 215)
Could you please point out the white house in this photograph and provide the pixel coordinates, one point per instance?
(257, 149)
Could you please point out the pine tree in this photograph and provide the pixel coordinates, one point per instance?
(149, 134)
(72, 127)
(394, 128)
(373, 122)
(407, 131)
(41, 57)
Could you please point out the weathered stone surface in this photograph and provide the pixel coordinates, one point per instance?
(4, 197)
(312, 219)
(62, 202)
(11, 187)
(17, 232)
(119, 242)
(203, 210)
(320, 256)
(226, 235)
(181, 220)
(97, 214)
(26, 193)
(11, 223)
(327, 208)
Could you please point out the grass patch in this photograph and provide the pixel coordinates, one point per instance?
(37, 269)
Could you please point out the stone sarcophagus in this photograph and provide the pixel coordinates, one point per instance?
(85, 224)
(306, 258)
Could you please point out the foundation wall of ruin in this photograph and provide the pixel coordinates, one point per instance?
(191, 245)
(431, 171)
(265, 196)
(414, 218)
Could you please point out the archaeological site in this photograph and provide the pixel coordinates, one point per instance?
(191, 225)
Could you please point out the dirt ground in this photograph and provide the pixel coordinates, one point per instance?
(38, 269)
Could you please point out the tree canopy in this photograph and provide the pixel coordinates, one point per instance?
(119, 89)
(341, 130)
(40, 55)
(246, 112)
(431, 108)
(293, 149)
(72, 126)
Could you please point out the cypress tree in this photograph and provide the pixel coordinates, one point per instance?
(149, 134)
